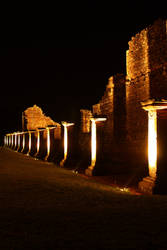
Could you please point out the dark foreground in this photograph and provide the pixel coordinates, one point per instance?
(45, 207)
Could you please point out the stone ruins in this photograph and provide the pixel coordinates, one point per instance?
(133, 138)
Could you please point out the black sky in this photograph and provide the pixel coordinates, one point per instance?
(68, 67)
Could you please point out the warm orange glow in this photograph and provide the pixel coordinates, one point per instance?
(23, 142)
(15, 140)
(65, 142)
(93, 143)
(29, 142)
(152, 142)
(8, 140)
(48, 143)
(12, 139)
(18, 142)
(38, 141)
(93, 140)
(65, 125)
(4, 140)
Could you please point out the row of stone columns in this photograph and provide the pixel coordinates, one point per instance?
(24, 142)
(33, 141)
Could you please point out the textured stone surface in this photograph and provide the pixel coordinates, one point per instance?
(124, 134)
(86, 115)
(35, 118)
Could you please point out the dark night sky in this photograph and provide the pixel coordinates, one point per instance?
(68, 69)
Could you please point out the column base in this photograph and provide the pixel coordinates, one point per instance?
(62, 163)
(147, 185)
(89, 171)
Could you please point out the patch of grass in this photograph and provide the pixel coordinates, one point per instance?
(43, 206)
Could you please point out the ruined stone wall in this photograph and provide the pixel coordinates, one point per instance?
(35, 118)
(105, 109)
(86, 115)
(137, 87)
(146, 79)
(137, 56)
(157, 54)
(111, 133)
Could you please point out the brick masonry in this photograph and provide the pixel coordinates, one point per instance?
(34, 118)
(124, 134)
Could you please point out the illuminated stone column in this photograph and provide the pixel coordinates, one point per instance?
(65, 125)
(5, 141)
(38, 142)
(23, 142)
(29, 142)
(15, 140)
(8, 140)
(12, 139)
(18, 146)
(90, 169)
(147, 185)
(48, 142)
(152, 142)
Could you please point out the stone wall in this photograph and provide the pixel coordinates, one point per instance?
(35, 118)
(146, 79)
(111, 134)
(125, 131)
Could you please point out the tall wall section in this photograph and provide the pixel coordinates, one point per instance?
(111, 134)
(146, 79)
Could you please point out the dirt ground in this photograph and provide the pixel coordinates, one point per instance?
(43, 206)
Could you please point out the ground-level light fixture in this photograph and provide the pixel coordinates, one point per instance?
(65, 125)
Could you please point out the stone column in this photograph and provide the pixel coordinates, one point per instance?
(29, 143)
(89, 170)
(65, 125)
(18, 146)
(23, 142)
(147, 185)
(15, 140)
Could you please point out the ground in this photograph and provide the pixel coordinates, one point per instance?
(43, 206)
